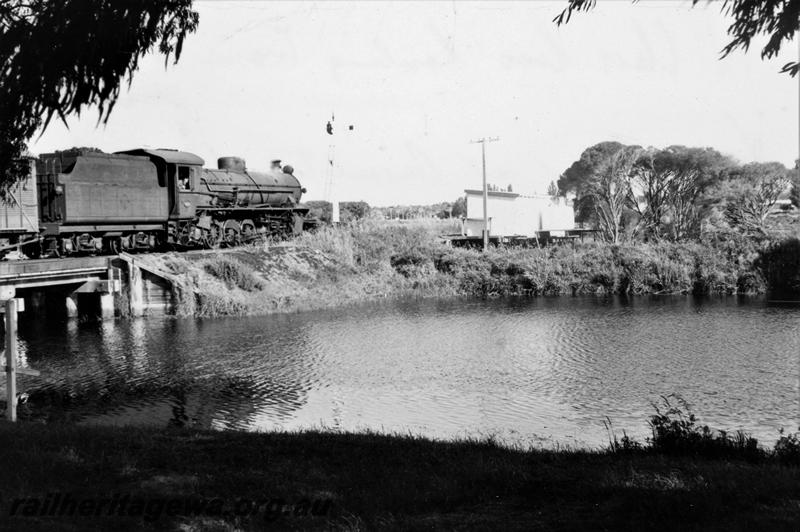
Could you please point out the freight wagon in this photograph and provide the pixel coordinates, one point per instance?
(517, 219)
(19, 216)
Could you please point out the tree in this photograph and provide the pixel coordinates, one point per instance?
(582, 174)
(353, 210)
(321, 210)
(609, 192)
(794, 194)
(779, 19)
(552, 189)
(582, 170)
(666, 185)
(58, 58)
(460, 207)
(690, 172)
(750, 193)
(443, 211)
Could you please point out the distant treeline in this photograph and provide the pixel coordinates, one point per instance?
(348, 210)
(358, 210)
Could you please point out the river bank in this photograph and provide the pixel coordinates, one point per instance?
(374, 260)
(136, 478)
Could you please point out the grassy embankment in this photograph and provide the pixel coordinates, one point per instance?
(372, 260)
(685, 478)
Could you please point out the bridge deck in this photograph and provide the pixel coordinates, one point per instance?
(42, 267)
(48, 272)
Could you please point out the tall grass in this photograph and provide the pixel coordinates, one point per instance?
(373, 259)
(676, 431)
(232, 272)
(369, 243)
(333, 241)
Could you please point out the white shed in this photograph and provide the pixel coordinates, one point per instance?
(512, 214)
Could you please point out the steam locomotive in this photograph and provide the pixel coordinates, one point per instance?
(88, 201)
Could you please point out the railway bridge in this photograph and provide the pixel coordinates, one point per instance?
(100, 286)
(105, 286)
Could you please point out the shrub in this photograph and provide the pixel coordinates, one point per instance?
(787, 448)
(779, 263)
(333, 241)
(178, 266)
(714, 273)
(676, 432)
(233, 273)
(626, 444)
(409, 264)
(470, 269)
(212, 304)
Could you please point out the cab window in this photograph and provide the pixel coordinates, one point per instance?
(184, 181)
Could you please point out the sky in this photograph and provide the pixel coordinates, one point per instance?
(419, 81)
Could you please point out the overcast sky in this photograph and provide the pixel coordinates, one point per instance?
(418, 81)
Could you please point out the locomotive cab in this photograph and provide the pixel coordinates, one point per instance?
(179, 173)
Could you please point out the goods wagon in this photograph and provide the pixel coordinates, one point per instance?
(19, 216)
(512, 214)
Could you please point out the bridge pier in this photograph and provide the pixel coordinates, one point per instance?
(72, 305)
(7, 292)
(107, 310)
(135, 290)
(38, 300)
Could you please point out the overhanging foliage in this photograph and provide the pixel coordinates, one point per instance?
(57, 58)
(778, 19)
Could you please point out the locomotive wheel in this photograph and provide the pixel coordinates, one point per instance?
(249, 233)
(185, 235)
(232, 233)
(213, 236)
(113, 245)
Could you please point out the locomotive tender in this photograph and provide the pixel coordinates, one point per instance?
(146, 199)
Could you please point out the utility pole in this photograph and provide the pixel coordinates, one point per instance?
(483, 142)
(331, 191)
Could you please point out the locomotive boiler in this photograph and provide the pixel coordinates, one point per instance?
(149, 199)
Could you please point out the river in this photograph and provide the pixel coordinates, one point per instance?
(528, 371)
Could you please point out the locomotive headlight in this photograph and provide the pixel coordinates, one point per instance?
(59, 190)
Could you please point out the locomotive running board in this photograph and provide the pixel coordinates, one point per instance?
(251, 208)
(62, 229)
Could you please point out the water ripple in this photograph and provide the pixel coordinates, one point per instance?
(527, 369)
